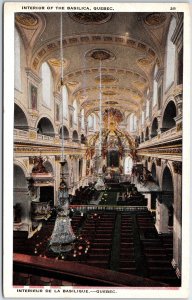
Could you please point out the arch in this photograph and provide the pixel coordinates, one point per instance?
(154, 128)
(45, 127)
(20, 119)
(22, 166)
(83, 139)
(20, 203)
(147, 133)
(19, 177)
(167, 180)
(153, 171)
(168, 116)
(75, 136)
(168, 196)
(65, 133)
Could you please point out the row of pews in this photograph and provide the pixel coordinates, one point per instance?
(126, 242)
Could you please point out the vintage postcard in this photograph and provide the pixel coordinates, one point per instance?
(96, 150)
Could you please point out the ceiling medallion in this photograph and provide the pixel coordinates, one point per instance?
(109, 93)
(106, 78)
(100, 54)
(155, 19)
(26, 19)
(91, 18)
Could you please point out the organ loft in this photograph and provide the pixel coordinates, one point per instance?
(97, 197)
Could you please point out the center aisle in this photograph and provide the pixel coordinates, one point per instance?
(109, 197)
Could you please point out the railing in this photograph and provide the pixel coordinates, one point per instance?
(46, 139)
(167, 135)
(84, 208)
(22, 134)
(78, 273)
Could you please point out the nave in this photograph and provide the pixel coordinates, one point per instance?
(97, 158)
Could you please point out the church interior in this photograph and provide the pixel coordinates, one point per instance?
(97, 196)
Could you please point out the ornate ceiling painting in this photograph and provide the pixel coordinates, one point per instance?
(125, 55)
(91, 18)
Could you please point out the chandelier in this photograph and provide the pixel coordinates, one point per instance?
(62, 237)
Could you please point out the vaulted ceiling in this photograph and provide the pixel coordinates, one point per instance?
(124, 46)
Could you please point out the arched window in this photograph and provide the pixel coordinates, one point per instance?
(46, 84)
(65, 102)
(90, 121)
(95, 122)
(82, 119)
(155, 86)
(147, 108)
(142, 118)
(170, 56)
(17, 61)
(75, 113)
(133, 122)
(128, 165)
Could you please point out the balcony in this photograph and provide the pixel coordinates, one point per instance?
(169, 135)
(36, 138)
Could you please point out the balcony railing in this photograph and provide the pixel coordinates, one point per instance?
(20, 135)
(162, 137)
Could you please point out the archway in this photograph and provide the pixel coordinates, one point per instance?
(45, 127)
(154, 128)
(168, 116)
(167, 199)
(83, 139)
(20, 120)
(147, 134)
(20, 203)
(65, 133)
(75, 136)
(128, 165)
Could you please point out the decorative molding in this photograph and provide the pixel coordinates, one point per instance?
(54, 45)
(33, 76)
